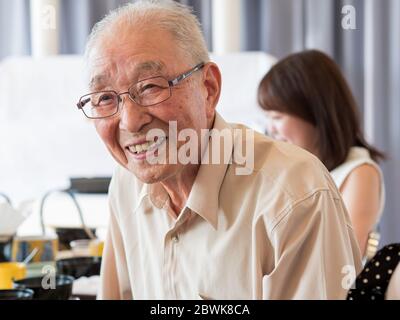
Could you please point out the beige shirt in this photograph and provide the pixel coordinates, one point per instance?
(279, 233)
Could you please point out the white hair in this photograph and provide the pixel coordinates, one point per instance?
(169, 15)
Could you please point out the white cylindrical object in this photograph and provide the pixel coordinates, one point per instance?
(226, 26)
(45, 27)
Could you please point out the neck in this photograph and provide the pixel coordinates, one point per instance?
(179, 186)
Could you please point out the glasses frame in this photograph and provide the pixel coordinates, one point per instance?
(171, 83)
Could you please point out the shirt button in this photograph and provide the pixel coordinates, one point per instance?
(175, 238)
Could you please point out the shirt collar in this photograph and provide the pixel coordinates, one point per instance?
(156, 193)
(204, 196)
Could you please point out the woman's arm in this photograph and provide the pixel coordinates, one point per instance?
(361, 194)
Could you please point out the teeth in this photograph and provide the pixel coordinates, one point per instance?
(146, 146)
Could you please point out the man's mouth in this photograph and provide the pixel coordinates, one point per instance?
(148, 146)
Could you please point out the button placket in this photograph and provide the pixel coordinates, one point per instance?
(171, 241)
(169, 265)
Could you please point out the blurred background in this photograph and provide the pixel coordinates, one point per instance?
(45, 140)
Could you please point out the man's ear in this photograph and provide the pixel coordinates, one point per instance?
(212, 84)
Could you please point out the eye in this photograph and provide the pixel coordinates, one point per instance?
(149, 88)
(105, 99)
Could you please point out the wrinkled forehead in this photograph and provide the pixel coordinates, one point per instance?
(131, 58)
(107, 72)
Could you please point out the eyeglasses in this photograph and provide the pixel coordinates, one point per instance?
(146, 93)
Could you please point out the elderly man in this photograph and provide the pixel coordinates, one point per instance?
(202, 229)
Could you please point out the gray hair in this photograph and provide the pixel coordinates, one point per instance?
(169, 15)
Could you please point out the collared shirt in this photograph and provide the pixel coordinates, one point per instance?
(280, 232)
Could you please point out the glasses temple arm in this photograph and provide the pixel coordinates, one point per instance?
(178, 79)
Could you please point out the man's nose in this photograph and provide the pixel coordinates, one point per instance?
(133, 117)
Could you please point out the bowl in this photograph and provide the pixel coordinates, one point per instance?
(16, 294)
(86, 247)
(78, 267)
(80, 248)
(67, 235)
(62, 289)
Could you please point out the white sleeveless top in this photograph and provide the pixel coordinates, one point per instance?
(358, 156)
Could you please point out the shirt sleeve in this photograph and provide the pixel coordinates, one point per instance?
(316, 255)
(114, 276)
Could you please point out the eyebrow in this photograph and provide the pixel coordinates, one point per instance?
(148, 66)
(97, 81)
(156, 66)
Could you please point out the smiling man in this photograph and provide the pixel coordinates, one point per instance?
(202, 229)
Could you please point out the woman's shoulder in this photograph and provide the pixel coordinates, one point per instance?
(360, 176)
(363, 183)
(365, 173)
(359, 165)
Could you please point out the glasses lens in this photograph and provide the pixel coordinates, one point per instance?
(150, 91)
(100, 104)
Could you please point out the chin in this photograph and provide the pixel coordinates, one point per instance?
(152, 173)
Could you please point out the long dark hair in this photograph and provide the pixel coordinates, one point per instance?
(311, 86)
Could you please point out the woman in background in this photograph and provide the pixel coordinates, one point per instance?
(308, 103)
